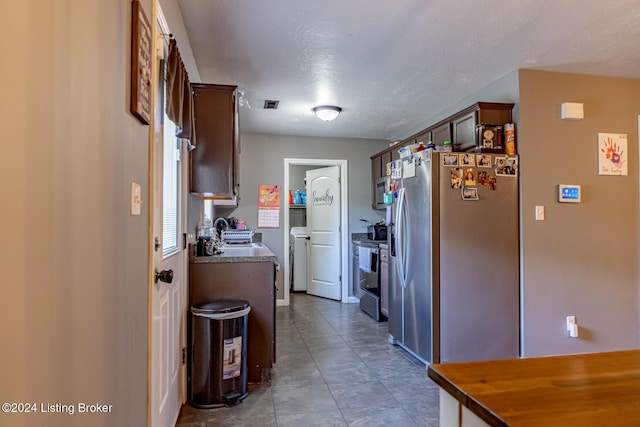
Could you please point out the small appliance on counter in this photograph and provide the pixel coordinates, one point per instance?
(377, 231)
(205, 242)
(205, 246)
(237, 236)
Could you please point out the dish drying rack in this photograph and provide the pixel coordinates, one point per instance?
(237, 236)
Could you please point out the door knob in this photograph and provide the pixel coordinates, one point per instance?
(165, 276)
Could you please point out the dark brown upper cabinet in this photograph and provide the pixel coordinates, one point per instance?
(464, 132)
(461, 129)
(465, 123)
(214, 162)
(441, 133)
(376, 167)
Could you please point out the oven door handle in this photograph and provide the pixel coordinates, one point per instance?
(375, 261)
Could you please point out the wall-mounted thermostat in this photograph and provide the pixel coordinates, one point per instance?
(568, 193)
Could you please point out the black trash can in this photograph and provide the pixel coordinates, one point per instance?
(217, 371)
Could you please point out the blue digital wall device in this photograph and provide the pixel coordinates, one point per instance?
(569, 193)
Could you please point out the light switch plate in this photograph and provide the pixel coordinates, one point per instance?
(136, 198)
(539, 213)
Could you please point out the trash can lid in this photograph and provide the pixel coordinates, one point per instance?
(220, 306)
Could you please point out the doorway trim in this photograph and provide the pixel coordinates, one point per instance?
(344, 222)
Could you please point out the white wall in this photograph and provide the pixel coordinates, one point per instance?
(73, 312)
(262, 162)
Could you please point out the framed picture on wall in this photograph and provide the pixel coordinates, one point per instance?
(612, 154)
(140, 64)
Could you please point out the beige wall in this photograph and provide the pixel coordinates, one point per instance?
(582, 260)
(73, 311)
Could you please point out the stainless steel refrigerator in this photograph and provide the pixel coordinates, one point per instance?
(454, 264)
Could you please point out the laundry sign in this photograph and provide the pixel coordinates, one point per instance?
(325, 198)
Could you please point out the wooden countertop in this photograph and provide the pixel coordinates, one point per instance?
(597, 389)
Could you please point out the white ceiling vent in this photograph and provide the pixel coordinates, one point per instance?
(271, 104)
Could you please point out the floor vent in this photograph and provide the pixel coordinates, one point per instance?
(271, 104)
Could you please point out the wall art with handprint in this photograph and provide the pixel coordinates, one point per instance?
(612, 154)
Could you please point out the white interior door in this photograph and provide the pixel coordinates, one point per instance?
(168, 288)
(323, 226)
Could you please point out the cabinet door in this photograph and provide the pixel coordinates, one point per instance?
(375, 174)
(464, 135)
(394, 152)
(441, 134)
(384, 282)
(384, 159)
(376, 167)
(494, 113)
(424, 137)
(214, 169)
(251, 281)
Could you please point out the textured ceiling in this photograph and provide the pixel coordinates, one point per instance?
(391, 64)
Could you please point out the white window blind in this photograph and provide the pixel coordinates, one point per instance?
(170, 188)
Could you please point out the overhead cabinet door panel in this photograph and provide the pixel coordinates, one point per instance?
(214, 161)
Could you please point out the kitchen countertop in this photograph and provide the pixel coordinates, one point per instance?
(362, 238)
(255, 252)
(595, 389)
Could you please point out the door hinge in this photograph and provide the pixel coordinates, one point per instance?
(184, 240)
(339, 180)
(340, 279)
(184, 355)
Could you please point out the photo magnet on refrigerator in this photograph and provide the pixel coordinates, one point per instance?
(456, 178)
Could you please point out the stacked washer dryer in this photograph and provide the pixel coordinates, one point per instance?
(298, 258)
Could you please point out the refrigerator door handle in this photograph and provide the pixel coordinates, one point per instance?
(400, 241)
(398, 237)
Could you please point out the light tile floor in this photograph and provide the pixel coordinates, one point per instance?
(334, 367)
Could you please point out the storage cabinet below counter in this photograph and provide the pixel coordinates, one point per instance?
(251, 281)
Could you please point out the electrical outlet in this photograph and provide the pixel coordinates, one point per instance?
(539, 213)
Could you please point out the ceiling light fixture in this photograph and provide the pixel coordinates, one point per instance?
(327, 112)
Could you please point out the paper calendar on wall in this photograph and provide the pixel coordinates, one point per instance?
(268, 206)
